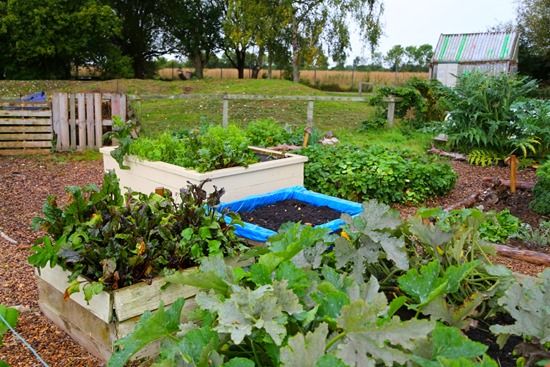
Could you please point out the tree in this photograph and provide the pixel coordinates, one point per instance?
(143, 36)
(395, 56)
(332, 16)
(44, 39)
(195, 26)
(418, 57)
(534, 49)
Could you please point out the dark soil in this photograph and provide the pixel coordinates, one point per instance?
(518, 204)
(504, 356)
(268, 157)
(274, 215)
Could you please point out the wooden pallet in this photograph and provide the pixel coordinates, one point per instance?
(25, 128)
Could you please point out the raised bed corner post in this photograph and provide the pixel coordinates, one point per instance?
(513, 161)
(225, 116)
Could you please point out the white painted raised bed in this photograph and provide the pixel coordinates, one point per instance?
(238, 182)
(109, 315)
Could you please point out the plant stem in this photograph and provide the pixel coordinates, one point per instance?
(334, 340)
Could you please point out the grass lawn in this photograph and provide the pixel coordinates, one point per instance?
(158, 115)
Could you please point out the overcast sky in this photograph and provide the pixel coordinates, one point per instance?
(414, 22)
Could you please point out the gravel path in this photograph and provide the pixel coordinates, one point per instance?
(24, 185)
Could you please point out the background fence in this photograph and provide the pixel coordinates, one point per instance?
(25, 127)
(326, 79)
(79, 119)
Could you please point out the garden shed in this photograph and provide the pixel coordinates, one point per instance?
(491, 52)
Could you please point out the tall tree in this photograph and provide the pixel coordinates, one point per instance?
(534, 27)
(143, 36)
(195, 26)
(332, 17)
(395, 56)
(45, 38)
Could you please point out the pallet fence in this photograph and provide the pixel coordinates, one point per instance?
(25, 128)
(80, 119)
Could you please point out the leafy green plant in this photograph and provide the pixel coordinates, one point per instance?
(537, 236)
(114, 240)
(541, 191)
(483, 158)
(123, 132)
(494, 227)
(205, 149)
(481, 114)
(358, 174)
(533, 115)
(10, 315)
(266, 133)
(374, 246)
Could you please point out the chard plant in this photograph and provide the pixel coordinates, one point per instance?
(116, 240)
(10, 315)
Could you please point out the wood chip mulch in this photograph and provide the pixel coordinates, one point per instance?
(25, 182)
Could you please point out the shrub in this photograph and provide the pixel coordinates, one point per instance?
(389, 176)
(421, 101)
(482, 116)
(534, 116)
(266, 133)
(212, 148)
(541, 191)
(115, 240)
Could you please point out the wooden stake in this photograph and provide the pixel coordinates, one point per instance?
(307, 134)
(513, 172)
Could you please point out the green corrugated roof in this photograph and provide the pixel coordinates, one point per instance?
(475, 47)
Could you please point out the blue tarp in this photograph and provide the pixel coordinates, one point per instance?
(260, 234)
(35, 97)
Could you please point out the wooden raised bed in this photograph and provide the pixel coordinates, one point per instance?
(257, 178)
(109, 315)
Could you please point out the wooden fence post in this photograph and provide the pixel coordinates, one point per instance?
(310, 113)
(225, 113)
(72, 120)
(64, 122)
(90, 134)
(81, 121)
(98, 120)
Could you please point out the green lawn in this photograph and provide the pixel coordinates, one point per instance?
(158, 115)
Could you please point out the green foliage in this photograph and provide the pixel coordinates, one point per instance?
(421, 101)
(533, 115)
(374, 246)
(122, 132)
(386, 175)
(483, 158)
(536, 237)
(541, 191)
(10, 316)
(528, 302)
(482, 116)
(494, 227)
(116, 241)
(266, 133)
(207, 149)
(375, 122)
(78, 33)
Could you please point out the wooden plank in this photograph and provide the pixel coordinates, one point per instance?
(25, 129)
(17, 103)
(64, 122)
(123, 107)
(99, 305)
(25, 121)
(90, 136)
(24, 151)
(98, 120)
(55, 120)
(30, 136)
(115, 105)
(81, 121)
(25, 144)
(24, 113)
(72, 120)
(134, 300)
(225, 112)
(92, 333)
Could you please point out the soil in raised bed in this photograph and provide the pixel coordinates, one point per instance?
(272, 216)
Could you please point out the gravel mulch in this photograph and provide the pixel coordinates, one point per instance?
(24, 185)
(25, 182)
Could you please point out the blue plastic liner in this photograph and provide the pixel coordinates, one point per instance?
(260, 234)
